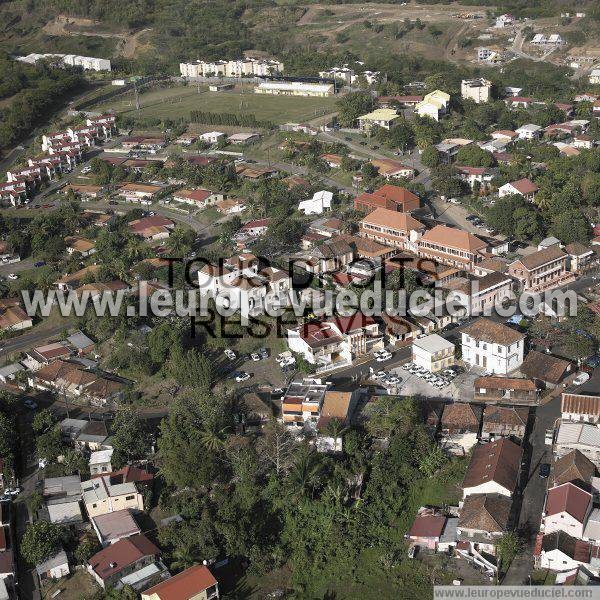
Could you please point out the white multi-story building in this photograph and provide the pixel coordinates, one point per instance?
(478, 90)
(245, 67)
(433, 353)
(492, 346)
(88, 63)
(239, 286)
(335, 342)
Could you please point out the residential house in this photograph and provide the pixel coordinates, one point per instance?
(483, 520)
(9, 372)
(433, 105)
(505, 390)
(237, 283)
(91, 437)
(433, 352)
(81, 343)
(567, 508)
(522, 187)
(541, 270)
(333, 161)
(114, 565)
(472, 176)
(529, 131)
(55, 567)
(580, 408)
(84, 246)
(14, 318)
(144, 193)
(558, 551)
(329, 257)
(399, 330)
(320, 202)
(545, 368)
(62, 496)
(252, 229)
(114, 526)
(427, 528)
(582, 141)
(336, 342)
(402, 101)
(504, 421)
(385, 118)
(212, 137)
(231, 206)
(73, 280)
(573, 467)
(392, 169)
(391, 197)
(101, 496)
(100, 462)
(392, 228)
(494, 469)
(194, 583)
(301, 403)
(584, 437)
(155, 227)
(451, 246)
(478, 90)
(460, 427)
(200, 198)
(581, 257)
(492, 346)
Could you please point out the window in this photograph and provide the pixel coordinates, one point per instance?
(93, 506)
(129, 497)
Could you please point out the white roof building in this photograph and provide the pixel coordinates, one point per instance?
(321, 201)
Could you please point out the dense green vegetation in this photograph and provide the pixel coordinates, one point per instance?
(36, 93)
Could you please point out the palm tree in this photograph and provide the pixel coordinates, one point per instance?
(212, 439)
(305, 474)
(184, 557)
(336, 429)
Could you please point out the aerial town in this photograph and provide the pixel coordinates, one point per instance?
(299, 301)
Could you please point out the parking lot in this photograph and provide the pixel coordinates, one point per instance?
(407, 383)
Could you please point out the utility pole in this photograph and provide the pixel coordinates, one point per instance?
(137, 97)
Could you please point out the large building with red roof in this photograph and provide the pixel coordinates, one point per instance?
(335, 342)
(195, 583)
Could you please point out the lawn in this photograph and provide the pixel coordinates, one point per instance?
(179, 101)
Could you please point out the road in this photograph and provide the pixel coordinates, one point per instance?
(533, 489)
(32, 338)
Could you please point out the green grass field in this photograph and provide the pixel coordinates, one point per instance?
(180, 101)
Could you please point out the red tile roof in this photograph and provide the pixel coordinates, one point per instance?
(427, 526)
(184, 585)
(114, 558)
(570, 499)
(524, 186)
(498, 461)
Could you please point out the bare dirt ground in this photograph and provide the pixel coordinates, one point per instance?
(355, 13)
(129, 42)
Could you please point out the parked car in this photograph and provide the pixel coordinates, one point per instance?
(30, 404)
(544, 470)
(549, 437)
(39, 263)
(242, 376)
(255, 356)
(229, 353)
(13, 276)
(383, 356)
(581, 378)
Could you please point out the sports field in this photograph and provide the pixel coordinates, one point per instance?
(180, 101)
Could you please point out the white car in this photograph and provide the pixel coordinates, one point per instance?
(287, 362)
(229, 353)
(393, 379)
(13, 276)
(383, 357)
(581, 378)
(255, 357)
(243, 376)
